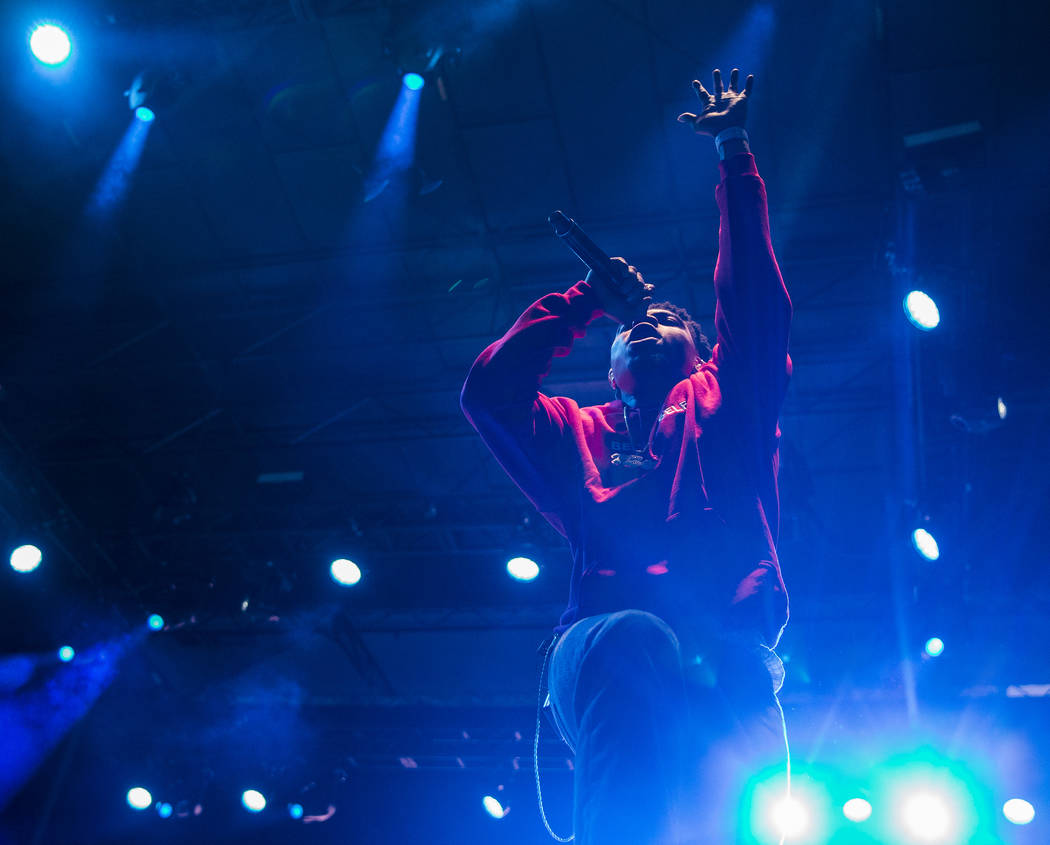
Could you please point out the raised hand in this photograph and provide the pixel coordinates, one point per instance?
(726, 107)
(624, 295)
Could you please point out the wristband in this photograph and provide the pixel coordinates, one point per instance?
(730, 134)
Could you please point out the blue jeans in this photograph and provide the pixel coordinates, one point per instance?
(664, 748)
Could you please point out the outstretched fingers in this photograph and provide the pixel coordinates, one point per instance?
(749, 83)
(716, 77)
(734, 80)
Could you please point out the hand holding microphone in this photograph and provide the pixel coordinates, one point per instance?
(619, 286)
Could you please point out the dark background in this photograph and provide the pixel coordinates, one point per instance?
(243, 311)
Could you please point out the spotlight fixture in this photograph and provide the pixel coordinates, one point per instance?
(921, 310)
(857, 810)
(50, 44)
(934, 647)
(494, 808)
(522, 568)
(253, 800)
(138, 798)
(26, 558)
(1018, 811)
(66, 653)
(345, 572)
(925, 544)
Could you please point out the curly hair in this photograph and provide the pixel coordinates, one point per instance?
(700, 341)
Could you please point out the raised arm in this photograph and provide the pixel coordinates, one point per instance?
(753, 310)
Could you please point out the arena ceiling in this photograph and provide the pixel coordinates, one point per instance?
(247, 313)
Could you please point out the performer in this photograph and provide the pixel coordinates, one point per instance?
(662, 677)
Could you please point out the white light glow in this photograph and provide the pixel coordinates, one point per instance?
(345, 572)
(50, 44)
(493, 807)
(926, 817)
(790, 817)
(857, 810)
(522, 568)
(139, 798)
(935, 646)
(26, 558)
(1000, 406)
(921, 310)
(1018, 811)
(925, 544)
(253, 800)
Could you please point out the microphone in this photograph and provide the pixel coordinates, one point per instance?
(576, 239)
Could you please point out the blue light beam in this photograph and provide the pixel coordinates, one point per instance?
(397, 145)
(112, 187)
(748, 45)
(37, 716)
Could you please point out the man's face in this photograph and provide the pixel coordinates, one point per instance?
(652, 354)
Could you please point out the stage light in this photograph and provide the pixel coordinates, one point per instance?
(114, 182)
(253, 800)
(921, 310)
(1018, 811)
(295, 811)
(790, 817)
(1000, 406)
(164, 810)
(925, 544)
(66, 653)
(144, 114)
(522, 568)
(935, 646)
(155, 621)
(493, 807)
(50, 44)
(139, 798)
(26, 558)
(345, 572)
(926, 817)
(396, 150)
(857, 810)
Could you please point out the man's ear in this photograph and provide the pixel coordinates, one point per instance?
(612, 383)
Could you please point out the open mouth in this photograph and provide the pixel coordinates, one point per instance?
(643, 331)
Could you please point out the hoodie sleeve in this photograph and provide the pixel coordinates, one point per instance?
(752, 310)
(533, 435)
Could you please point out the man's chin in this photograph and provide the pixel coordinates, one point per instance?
(647, 356)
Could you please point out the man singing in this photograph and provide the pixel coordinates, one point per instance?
(662, 677)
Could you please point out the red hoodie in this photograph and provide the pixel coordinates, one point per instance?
(687, 529)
